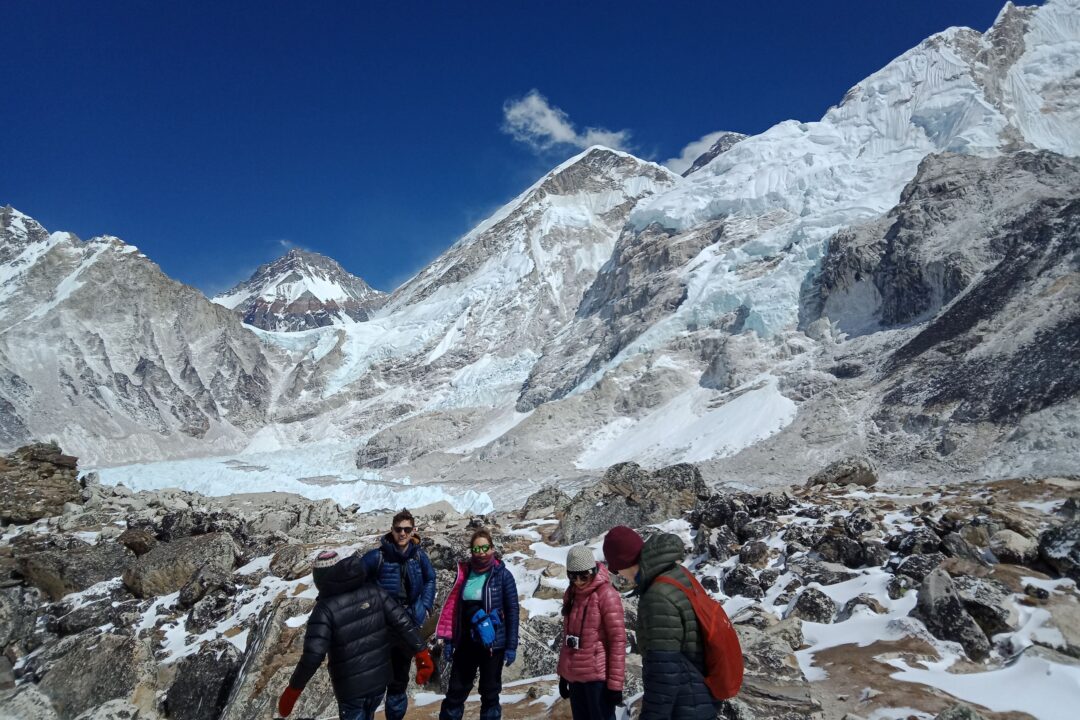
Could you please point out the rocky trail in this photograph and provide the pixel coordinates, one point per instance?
(851, 600)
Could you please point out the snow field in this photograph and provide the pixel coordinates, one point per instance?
(329, 467)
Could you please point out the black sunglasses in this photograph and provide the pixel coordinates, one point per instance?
(581, 574)
(404, 529)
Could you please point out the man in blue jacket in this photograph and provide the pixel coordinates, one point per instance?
(406, 573)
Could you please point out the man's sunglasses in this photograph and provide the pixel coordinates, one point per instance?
(480, 549)
(404, 529)
(582, 574)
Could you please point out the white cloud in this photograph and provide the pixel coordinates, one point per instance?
(536, 122)
(692, 152)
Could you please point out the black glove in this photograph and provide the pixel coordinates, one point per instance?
(564, 688)
(614, 697)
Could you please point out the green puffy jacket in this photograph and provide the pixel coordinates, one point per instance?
(669, 639)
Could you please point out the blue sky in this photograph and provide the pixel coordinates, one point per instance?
(214, 135)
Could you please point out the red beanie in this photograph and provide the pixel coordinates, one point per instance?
(622, 548)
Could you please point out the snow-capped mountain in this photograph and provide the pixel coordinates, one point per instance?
(867, 283)
(301, 290)
(724, 142)
(101, 350)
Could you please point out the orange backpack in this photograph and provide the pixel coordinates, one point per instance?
(723, 654)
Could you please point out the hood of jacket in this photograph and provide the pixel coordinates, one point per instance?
(660, 553)
(339, 578)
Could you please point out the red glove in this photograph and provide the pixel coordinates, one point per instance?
(287, 700)
(424, 667)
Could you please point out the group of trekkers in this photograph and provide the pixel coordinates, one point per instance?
(370, 610)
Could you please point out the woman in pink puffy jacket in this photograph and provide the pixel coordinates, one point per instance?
(592, 662)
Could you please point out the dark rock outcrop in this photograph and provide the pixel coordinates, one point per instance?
(630, 495)
(941, 609)
(203, 682)
(169, 566)
(35, 482)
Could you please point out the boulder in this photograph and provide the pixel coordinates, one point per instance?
(919, 541)
(918, 567)
(114, 710)
(170, 565)
(740, 580)
(137, 540)
(35, 482)
(875, 554)
(943, 613)
(545, 502)
(59, 572)
(848, 471)
(208, 611)
(989, 602)
(811, 571)
(1012, 547)
(27, 703)
(203, 682)
(862, 600)
(805, 535)
(840, 549)
(96, 669)
(814, 605)
(207, 579)
(18, 612)
(630, 495)
(1059, 547)
(715, 542)
(958, 712)
(538, 648)
(110, 605)
(291, 562)
(754, 553)
(955, 546)
(859, 522)
(719, 509)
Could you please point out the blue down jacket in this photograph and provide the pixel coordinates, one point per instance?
(412, 567)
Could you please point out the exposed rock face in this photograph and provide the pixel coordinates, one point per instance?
(941, 609)
(35, 482)
(169, 566)
(629, 495)
(544, 502)
(92, 673)
(299, 291)
(1060, 548)
(1012, 547)
(723, 143)
(203, 682)
(59, 572)
(989, 602)
(142, 370)
(272, 654)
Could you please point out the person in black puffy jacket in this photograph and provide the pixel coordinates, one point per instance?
(404, 570)
(356, 623)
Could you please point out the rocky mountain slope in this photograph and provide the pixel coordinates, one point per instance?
(101, 348)
(848, 601)
(301, 290)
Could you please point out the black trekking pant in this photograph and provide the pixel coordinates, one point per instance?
(588, 701)
(397, 702)
(468, 659)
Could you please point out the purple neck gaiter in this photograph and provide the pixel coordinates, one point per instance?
(482, 563)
